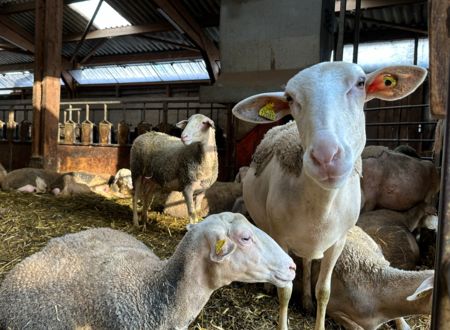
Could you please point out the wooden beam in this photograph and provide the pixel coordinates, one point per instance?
(177, 15)
(15, 34)
(145, 57)
(47, 88)
(69, 82)
(390, 25)
(439, 23)
(121, 31)
(93, 50)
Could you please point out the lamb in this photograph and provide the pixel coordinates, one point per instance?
(392, 230)
(189, 164)
(106, 279)
(303, 185)
(122, 182)
(367, 292)
(395, 181)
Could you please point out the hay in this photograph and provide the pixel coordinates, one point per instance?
(28, 221)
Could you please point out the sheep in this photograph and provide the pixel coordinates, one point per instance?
(42, 181)
(3, 173)
(189, 164)
(220, 197)
(392, 230)
(366, 291)
(303, 185)
(396, 181)
(106, 279)
(122, 182)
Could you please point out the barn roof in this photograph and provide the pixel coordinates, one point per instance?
(165, 32)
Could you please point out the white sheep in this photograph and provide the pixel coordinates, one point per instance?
(189, 164)
(106, 279)
(303, 186)
(367, 292)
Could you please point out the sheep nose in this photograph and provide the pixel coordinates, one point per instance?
(324, 154)
(292, 266)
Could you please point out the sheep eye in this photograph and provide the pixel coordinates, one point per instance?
(246, 239)
(288, 98)
(361, 82)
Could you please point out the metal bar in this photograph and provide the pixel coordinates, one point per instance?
(340, 43)
(86, 30)
(397, 107)
(403, 123)
(416, 48)
(356, 30)
(399, 140)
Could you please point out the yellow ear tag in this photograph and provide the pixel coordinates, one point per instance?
(389, 81)
(267, 111)
(219, 245)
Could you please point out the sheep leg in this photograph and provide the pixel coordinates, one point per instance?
(188, 194)
(306, 281)
(400, 324)
(284, 295)
(148, 190)
(136, 195)
(198, 205)
(323, 285)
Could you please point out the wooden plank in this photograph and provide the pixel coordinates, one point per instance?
(439, 59)
(121, 31)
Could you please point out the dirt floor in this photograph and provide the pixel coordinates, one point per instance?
(28, 221)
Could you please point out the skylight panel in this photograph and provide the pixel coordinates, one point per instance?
(107, 17)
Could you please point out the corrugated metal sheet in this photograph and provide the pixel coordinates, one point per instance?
(153, 72)
(7, 57)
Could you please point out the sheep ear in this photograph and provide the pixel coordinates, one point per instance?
(262, 108)
(394, 82)
(425, 288)
(208, 123)
(221, 249)
(182, 124)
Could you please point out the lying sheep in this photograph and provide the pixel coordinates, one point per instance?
(3, 173)
(395, 181)
(105, 279)
(367, 292)
(392, 230)
(29, 180)
(44, 181)
(220, 197)
(122, 182)
(189, 164)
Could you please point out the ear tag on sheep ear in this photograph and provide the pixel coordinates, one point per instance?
(389, 81)
(219, 245)
(268, 111)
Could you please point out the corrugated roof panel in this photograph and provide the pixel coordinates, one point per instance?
(152, 72)
(7, 57)
(16, 79)
(202, 8)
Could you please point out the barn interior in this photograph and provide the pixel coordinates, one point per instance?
(80, 80)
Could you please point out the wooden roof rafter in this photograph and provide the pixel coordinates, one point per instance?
(177, 15)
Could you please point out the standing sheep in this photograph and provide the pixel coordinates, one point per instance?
(303, 186)
(189, 164)
(106, 279)
(393, 180)
(367, 292)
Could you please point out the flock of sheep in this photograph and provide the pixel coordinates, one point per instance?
(310, 181)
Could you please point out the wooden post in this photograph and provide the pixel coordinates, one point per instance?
(46, 87)
(438, 20)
